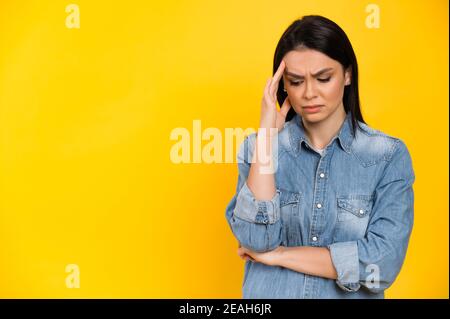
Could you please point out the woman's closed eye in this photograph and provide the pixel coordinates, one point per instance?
(323, 80)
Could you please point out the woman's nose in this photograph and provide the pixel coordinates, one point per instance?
(310, 91)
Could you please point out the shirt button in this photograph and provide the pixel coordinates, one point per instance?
(314, 238)
(319, 205)
(322, 175)
(361, 212)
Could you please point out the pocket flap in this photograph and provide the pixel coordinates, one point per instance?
(288, 197)
(357, 206)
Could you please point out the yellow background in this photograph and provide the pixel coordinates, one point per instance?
(86, 116)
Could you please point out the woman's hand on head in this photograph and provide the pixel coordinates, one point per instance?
(270, 116)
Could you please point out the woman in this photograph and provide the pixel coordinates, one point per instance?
(333, 219)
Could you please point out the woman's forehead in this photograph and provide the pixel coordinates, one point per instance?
(306, 61)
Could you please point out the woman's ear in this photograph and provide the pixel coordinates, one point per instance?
(348, 75)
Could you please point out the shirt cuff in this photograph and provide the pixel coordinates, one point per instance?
(257, 211)
(346, 262)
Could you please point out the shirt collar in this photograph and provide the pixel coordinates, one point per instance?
(297, 133)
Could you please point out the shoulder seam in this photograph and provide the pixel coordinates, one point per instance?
(393, 149)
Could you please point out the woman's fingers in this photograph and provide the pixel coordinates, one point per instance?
(285, 107)
(243, 253)
(269, 115)
(276, 78)
(267, 96)
(266, 88)
(248, 257)
(272, 85)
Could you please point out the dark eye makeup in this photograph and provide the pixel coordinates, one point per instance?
(323, 80)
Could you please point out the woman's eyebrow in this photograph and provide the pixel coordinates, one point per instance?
(297, 76)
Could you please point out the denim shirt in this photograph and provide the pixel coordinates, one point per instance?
(356, 199)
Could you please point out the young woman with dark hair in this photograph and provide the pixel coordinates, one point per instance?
(333, 220)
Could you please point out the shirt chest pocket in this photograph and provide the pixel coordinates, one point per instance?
(289, 210)
(353, 212)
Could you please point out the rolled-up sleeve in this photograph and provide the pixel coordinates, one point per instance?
(374, 261)
(255, 223)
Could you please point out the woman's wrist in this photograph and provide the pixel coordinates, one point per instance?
(282, 252)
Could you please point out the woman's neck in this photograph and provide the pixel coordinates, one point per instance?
(320, 133)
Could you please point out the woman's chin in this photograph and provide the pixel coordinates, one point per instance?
(313, 117)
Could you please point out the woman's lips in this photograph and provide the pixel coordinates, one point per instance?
(312, 108)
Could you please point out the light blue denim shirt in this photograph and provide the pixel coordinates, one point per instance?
(356, 199)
